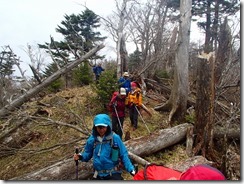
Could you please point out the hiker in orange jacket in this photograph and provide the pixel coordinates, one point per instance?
(134, 102)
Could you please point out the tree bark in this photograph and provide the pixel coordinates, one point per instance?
(66, 170)
(22, 99)
(121, 48)
(202, 105)
(179, 94)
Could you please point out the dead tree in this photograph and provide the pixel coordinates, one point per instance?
(204, 106)
(22, 99)
(179, 94)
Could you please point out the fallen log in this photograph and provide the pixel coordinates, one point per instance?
(139, 147)
(147, 110)
(231, 133)
(157, 141)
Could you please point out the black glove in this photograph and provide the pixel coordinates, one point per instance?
(133, 173)
(80, 157)
(136, 167)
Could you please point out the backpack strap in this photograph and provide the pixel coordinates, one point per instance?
(109, 140)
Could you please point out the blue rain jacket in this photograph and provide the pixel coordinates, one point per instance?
(125, 83)
(101, 152)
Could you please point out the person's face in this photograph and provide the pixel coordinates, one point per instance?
(101, 130)
(122, 96)
(133, 87)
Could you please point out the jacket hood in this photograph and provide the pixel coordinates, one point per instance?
(103, 120)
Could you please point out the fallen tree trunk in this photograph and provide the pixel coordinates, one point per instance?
(231, 133)
(143, 146)
(157, 141)
(22, 99)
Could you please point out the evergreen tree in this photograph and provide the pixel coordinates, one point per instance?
(214, 12)
(83, 74)
(79, 37)
(134, 60)
(6, 63)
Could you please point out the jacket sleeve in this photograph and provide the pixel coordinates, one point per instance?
(124, 154)
(140, 99)
(88, 150)
(94, 69)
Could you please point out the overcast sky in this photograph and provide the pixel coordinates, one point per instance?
(33, 21)
(27, 21)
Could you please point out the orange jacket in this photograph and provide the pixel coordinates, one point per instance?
(134, 97)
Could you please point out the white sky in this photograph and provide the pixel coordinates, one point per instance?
(34, 21)
(27, 21)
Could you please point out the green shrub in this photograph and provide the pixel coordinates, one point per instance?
(190, 118)
(82, 75)
(106, 86)
(56, 85)
(162, 74)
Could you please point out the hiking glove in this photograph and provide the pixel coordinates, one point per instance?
(133, 173)
(136, 167)
(80, 157)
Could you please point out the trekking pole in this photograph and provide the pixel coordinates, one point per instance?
(118, 119)
(76, 163)
(142, 119)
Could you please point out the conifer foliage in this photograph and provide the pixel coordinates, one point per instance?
(80, 36)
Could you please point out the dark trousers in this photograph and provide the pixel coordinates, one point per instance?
(115, 176)
(97, 78)
(116, 125)
(133, 116)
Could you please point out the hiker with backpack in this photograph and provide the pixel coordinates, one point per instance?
(134, 102)
(125, 82)
(107, 150)
(97, 70)
(117, 108)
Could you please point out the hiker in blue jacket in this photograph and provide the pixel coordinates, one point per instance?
(100, 146)
(97, 70)
(125, 82)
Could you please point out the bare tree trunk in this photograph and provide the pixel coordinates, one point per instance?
(202, 105)
(22, 99)
(179, 94)
(119, 62)
(122, 55)
(171, 56)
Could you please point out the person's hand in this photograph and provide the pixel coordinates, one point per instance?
(136, 167)
(133, 173)
(77, 157)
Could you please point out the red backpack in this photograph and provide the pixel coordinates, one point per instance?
(157, 172)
